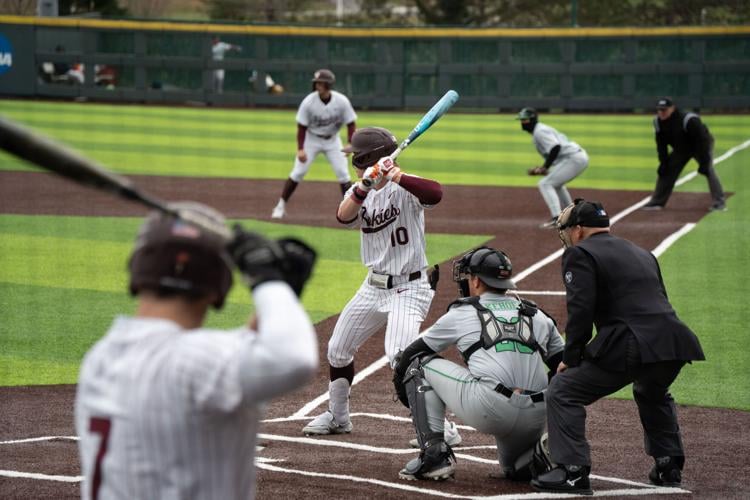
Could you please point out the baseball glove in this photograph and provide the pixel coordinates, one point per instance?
(537, 171)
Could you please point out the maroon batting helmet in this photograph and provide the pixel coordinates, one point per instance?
(324, 76)
(370, 144)
(173, 257)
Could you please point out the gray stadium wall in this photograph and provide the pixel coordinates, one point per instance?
(574, 69)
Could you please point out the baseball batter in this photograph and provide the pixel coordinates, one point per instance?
(388, 206)
(319, 117)
(564, 160)
(503, 341)
(218, 50)
(168, 409)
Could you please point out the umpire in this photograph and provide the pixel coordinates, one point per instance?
(617, 287)
(689, 138)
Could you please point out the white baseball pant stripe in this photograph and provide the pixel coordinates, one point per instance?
(315, 145)
(552, 186)
(403, 308)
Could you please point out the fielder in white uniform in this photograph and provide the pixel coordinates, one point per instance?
(500, 391)
(388, 207)
(564, 160)
(218, 50)
(319, 117)
(168, 409)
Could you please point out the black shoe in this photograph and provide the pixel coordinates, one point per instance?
(565, 479)
(436, 463)
(652, 207)
(718, 207)
(667, 471)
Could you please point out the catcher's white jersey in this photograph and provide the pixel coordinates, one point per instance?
(545, 138)
(325, 119)
(392, 237)
(166, 413)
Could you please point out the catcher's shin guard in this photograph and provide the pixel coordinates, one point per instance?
(541, 461)
(416, 386)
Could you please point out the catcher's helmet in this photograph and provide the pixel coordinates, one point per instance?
(492, 267)
(325, 76)
(370, 144)
(174, 257)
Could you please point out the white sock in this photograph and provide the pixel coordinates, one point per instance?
(339, 399)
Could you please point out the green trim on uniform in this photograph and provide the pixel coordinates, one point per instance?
(465, 381)
(374, 32)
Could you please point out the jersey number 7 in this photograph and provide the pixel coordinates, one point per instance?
(100, 426)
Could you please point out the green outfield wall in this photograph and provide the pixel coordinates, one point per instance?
(575, 69)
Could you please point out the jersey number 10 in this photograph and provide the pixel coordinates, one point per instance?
(399, 236)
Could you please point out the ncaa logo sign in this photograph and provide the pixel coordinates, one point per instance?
(6, 54)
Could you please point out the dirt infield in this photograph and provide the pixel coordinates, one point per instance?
(365, 463)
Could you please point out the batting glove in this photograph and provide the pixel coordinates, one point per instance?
(389, 168)
(372, 176)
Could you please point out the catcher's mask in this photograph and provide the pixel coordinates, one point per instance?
(580, 213)
(492, 267)
(530, 116)
(370, 144)
(324, 76)
(172, 257)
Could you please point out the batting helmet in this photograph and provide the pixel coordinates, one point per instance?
(370, 144)
(173, 257)
(492, 267)
(324, 76)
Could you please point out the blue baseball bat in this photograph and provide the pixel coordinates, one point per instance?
(429, 118)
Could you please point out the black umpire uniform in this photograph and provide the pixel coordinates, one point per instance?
(617, 287)
(689, 138)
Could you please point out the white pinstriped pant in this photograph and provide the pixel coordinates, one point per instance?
(403, 308)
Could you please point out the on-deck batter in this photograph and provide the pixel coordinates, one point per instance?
(168, 409)
(388, 207)
(564, 160)
(319, 117)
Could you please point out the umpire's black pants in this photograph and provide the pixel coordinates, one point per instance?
(668, 175)
(570, 391)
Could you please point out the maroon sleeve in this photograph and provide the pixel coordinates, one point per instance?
(350, 129)
(428, 191)
(301, 130)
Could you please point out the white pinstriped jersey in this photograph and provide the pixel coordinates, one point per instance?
(392, 237)
(323, 119)
(167, 413)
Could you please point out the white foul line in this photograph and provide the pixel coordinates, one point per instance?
(672, 238)
(44, 477)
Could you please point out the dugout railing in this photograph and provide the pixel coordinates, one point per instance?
(586, 69)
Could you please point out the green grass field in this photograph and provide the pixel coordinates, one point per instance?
(62, 278)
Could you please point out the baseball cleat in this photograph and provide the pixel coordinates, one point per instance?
(652, 207)
(436, 462)
(325, 424)
(667, 471)
(450, 434)
(279, 210)
(564, 479)
(718, 207)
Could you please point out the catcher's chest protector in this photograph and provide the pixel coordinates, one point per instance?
(518, 328)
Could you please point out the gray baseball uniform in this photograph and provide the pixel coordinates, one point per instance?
(517, 421)
(162, 412)
(571, 161)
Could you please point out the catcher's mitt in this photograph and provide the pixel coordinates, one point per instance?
(537, 171)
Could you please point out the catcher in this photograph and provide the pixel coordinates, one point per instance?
(564, 160)
(506, 343)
